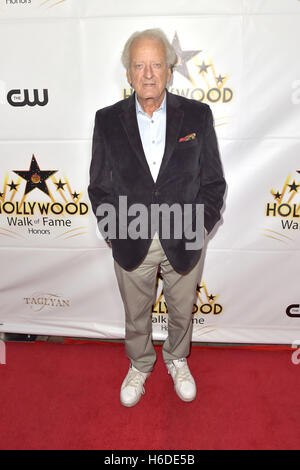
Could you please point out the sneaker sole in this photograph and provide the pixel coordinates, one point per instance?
(129, 405)
(186, 400)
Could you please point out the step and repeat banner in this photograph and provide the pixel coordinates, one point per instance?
(59, 63)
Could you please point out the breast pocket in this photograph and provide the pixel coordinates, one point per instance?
(187, 144)
(186, 157)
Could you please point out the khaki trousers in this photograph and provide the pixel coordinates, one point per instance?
(138, 292)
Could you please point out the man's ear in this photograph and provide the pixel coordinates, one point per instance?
(128, 77)
(169, 73)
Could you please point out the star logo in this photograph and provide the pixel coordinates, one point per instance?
(60, 185)
(203, 67)
(294, 186)
(277, 195)
(198, 288)
(182, 58)
(35, 177)
(75, 195)
(220, 79)
(13, 186)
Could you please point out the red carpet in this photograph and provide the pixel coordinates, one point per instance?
(66, 396)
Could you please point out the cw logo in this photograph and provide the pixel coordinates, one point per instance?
(24, 97)
(293, 311)
(18, 98)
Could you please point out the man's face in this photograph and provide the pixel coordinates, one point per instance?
(148, 72)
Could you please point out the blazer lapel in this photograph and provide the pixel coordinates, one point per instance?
(174, 123)
(130, 124)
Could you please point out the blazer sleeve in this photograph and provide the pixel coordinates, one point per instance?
(100, 188)
(212, 181)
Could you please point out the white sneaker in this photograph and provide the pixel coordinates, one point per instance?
(133, 387)
(184, 382)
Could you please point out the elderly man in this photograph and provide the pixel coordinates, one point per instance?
(155, 148)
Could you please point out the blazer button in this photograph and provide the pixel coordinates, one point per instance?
(156, 193)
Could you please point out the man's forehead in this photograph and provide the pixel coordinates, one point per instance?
(139, 45)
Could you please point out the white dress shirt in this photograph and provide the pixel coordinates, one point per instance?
(153, 135)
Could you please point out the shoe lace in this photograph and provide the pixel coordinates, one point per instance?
(183, 374)
(135, 379)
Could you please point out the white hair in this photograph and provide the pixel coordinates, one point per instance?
(156, 34)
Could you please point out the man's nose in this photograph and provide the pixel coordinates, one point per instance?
(148, 71)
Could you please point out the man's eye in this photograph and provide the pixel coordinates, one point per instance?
(138, 66)
(157, 65)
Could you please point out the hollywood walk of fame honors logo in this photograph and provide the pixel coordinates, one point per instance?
(37, 202)
(284, 211)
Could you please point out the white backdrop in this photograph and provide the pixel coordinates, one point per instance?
(241, 57)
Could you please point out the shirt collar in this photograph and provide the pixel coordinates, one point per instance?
(139, 109)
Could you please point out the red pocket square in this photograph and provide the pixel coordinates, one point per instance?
(188, 137)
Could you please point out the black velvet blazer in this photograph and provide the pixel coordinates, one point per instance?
(190, 173)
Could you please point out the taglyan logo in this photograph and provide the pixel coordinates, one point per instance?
(23, 97)
(284, 211)
(39, 202)
(206, 306)
(41, 301)
(196, 76)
